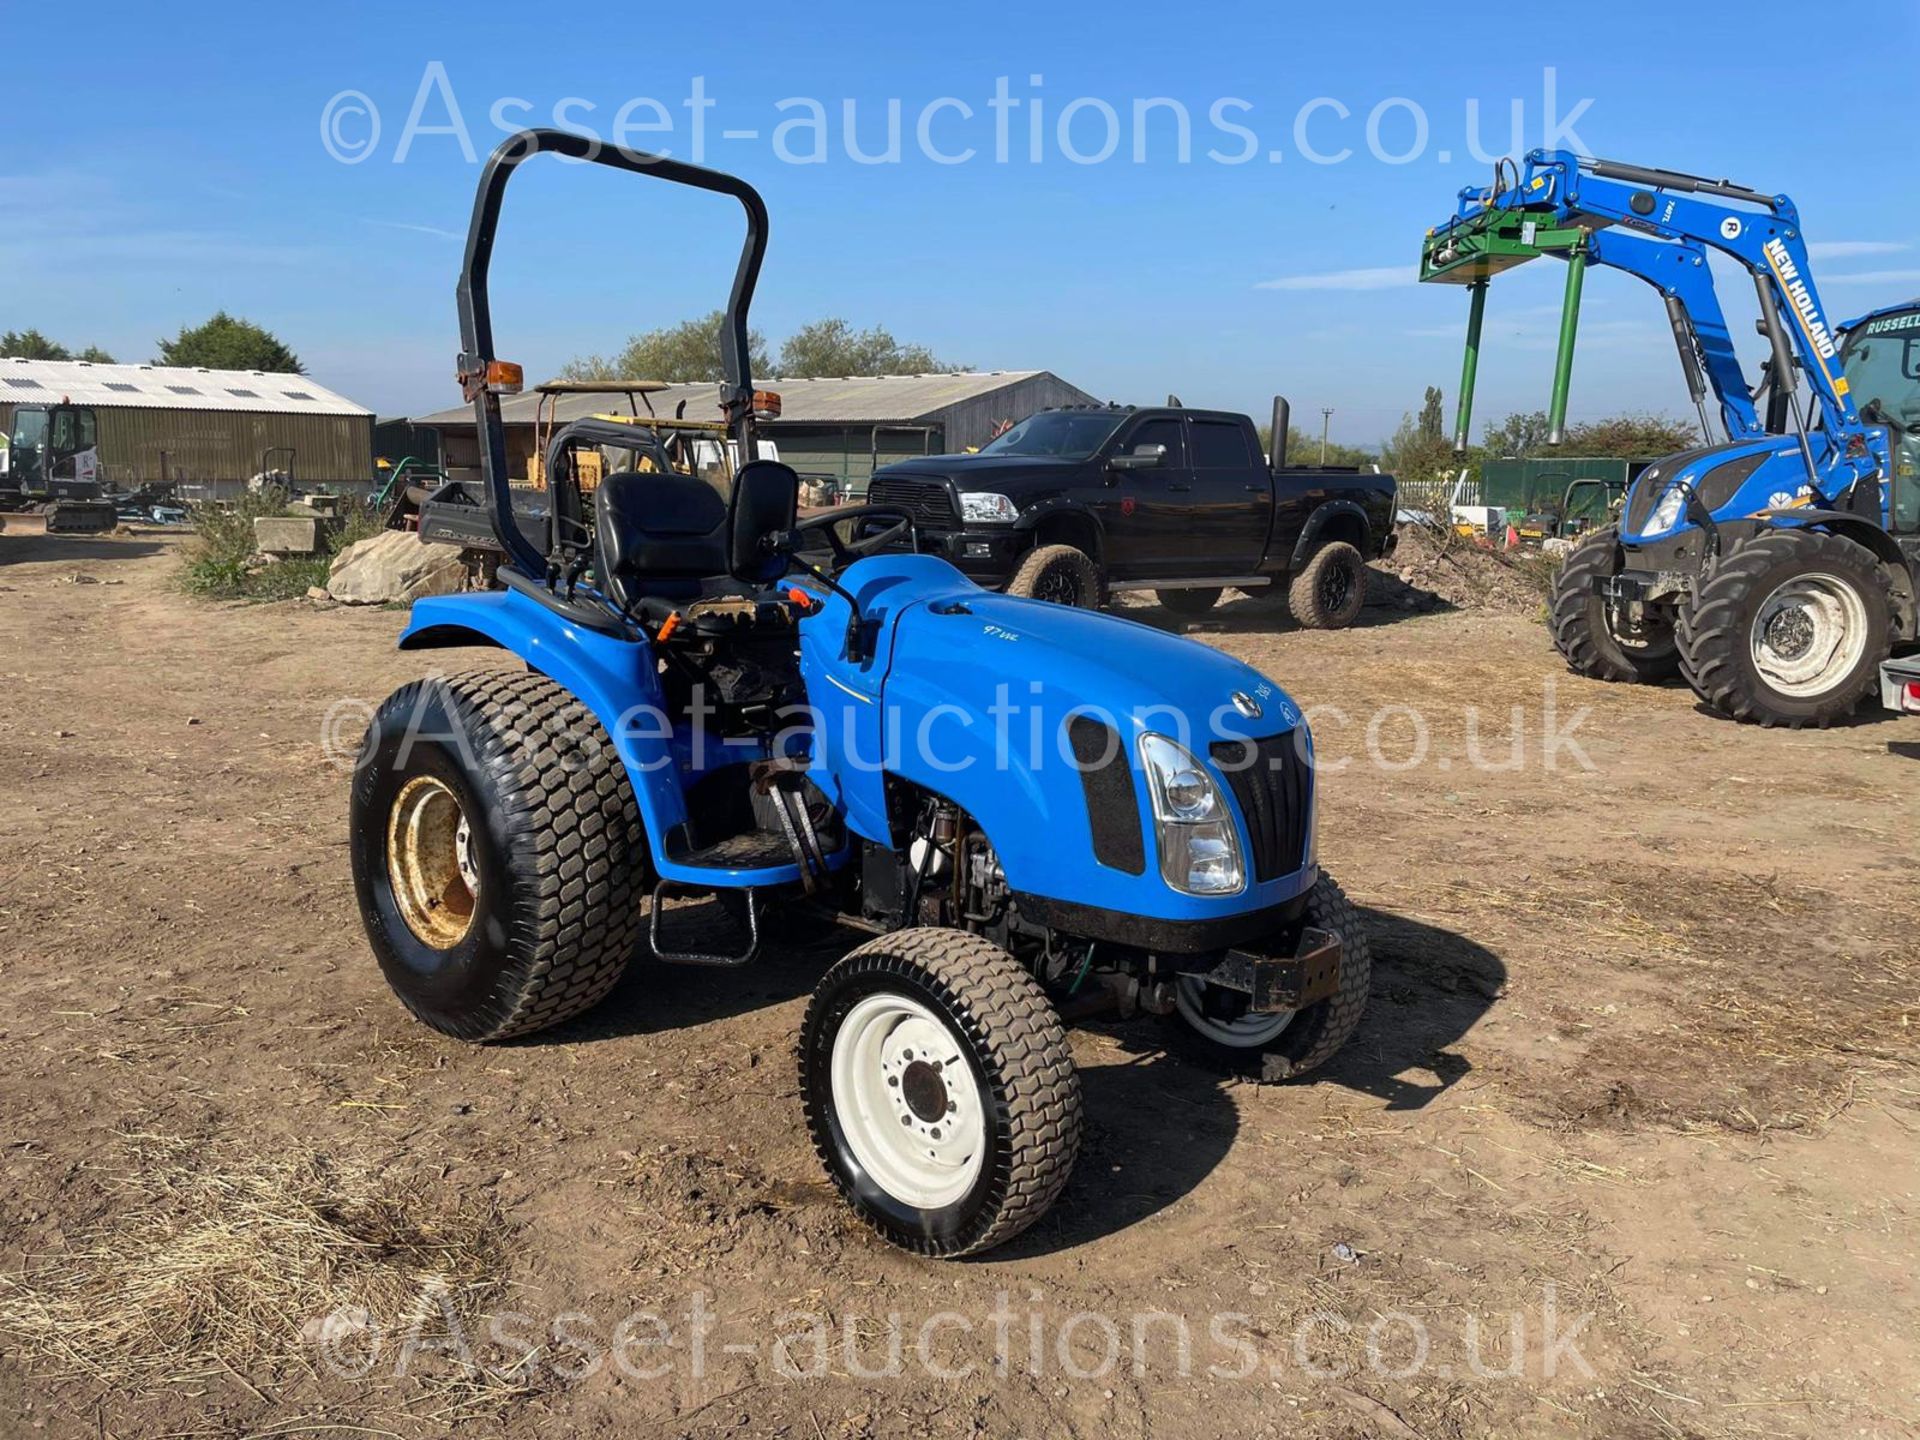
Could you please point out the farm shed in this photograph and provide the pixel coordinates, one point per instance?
(207, 430)
(834, 428)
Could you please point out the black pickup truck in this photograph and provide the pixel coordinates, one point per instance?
(1075, 503)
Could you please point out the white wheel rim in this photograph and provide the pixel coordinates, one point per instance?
(908, 1102)
(1809, 635)
(1244, 1032)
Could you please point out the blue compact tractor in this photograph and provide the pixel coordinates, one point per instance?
(730, 719)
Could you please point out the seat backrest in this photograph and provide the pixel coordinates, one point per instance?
(658, 534)
(766, 501)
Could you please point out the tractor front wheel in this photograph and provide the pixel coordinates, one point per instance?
(939, 1090)
(498, 853)
(1788, 629)
(1583, 627)
(1287, 1043)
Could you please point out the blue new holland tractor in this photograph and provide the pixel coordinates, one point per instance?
(1775, 569)
(730, 721)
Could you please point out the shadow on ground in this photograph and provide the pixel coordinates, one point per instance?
(1159, 1118)
(42, 549)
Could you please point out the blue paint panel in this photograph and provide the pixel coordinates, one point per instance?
(617, 681)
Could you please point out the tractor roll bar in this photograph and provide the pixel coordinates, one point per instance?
(476, 313)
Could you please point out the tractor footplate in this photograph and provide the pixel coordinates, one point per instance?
(710, 932)
(1310, 974)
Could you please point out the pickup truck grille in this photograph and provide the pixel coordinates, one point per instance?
(1275, 795)
(929, 502)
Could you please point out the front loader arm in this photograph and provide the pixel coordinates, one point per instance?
(1563, 203)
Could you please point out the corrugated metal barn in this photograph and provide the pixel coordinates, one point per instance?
(201, 428)
(837, 428)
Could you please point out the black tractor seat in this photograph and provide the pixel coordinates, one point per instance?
(667, 543)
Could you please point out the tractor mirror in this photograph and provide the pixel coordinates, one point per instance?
(1141, 457)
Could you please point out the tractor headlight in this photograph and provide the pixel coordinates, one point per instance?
(1667, 513)
(977, 507)
(1199, 846)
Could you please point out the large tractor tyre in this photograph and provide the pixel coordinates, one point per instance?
(939, 1090)
(1583, 631)
(1188, 604)
(498, 853)
(1280, 1046)
(1330, 589)
(1788, 629)
(1059, 574)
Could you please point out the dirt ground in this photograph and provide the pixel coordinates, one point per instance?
(1637, 1088)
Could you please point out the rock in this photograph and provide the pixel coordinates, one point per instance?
(395, 566)
(318, 592)
(275, 535)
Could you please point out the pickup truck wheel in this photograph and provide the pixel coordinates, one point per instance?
(1330, 589)
(1059, 574)
(1284, 1044)
(498, 853)
(1188, 604)
(939, 1090)
(1583, 630)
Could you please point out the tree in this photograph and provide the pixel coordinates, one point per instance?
(227, 342)
(32, 345)
(1419, 448)
(1432, 422)
(688, 351)
(832, 347)
(1631, 437)
(1521, 434)
(1304, 449)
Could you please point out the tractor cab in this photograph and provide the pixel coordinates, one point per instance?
(1881, 356)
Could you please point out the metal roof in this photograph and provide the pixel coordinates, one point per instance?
(166, 387)
(856, 399)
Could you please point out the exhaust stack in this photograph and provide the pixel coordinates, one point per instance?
(1282, 413)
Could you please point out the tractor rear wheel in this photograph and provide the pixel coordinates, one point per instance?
(1582, 624)
(498, 853)
(1788, 629)
(939, 1090)
(1060, 574)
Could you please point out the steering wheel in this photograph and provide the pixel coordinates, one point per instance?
(845, 552)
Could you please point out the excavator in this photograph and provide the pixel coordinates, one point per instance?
(1773, 569)
(53, 467)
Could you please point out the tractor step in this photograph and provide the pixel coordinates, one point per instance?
(708, 933)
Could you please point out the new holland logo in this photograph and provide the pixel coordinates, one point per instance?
(1801, 297)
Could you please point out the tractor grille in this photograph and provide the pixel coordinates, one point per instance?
(929, 502)
(1274, 789)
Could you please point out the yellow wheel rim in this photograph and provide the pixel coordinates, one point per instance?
(430, 862)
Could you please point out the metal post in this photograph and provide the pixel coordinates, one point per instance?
(1463, 417)
(1326, 414)
(1563, 361)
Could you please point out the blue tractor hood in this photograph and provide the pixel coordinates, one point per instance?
(973, 695)
(1737, 480)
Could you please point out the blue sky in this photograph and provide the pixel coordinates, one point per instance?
(175, 164)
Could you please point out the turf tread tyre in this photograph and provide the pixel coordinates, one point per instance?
(1010, 1025)
(1578, 619)
(1317, 1033)
(1305, 602)
(566, 843)
(1715, 628)
(1052, 565)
